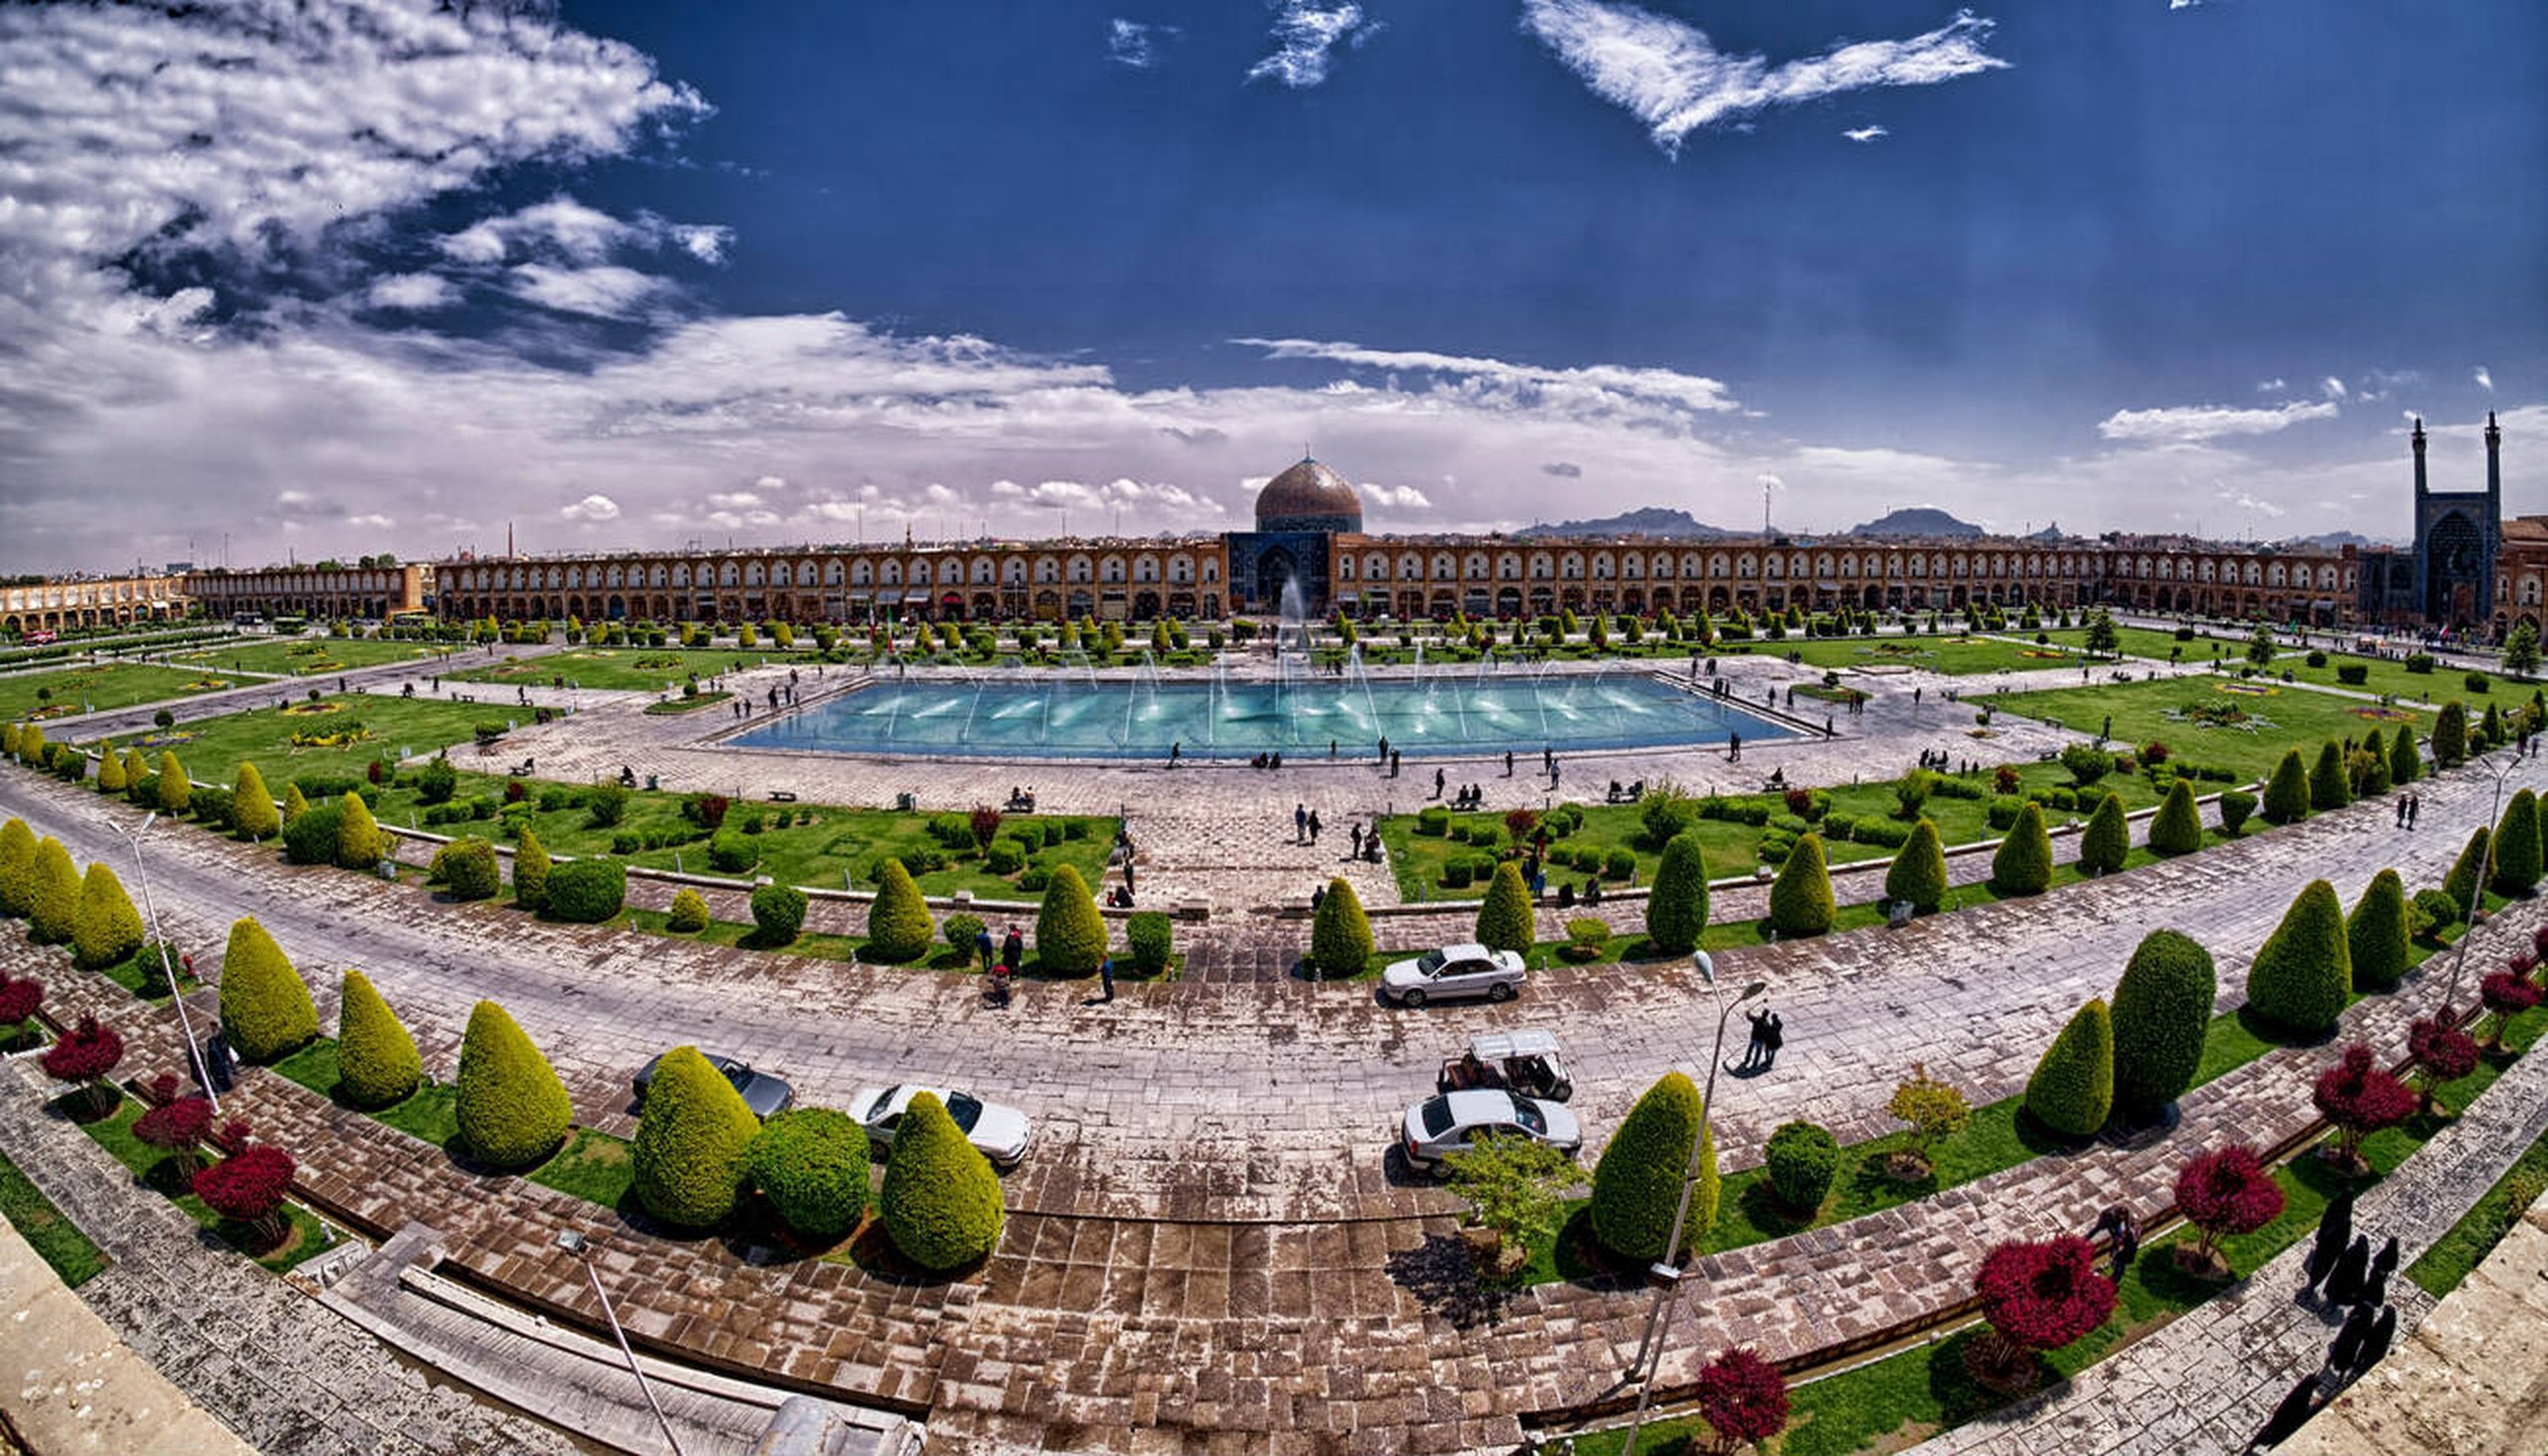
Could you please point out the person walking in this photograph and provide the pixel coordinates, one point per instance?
(1313, 826)
(983, 948)
(1508, 764)
(1439, 778)
(1105, 979)
(1013, 950)
(1300, 822)
(1773, 1037)
(1357, 839)
(2415, 809)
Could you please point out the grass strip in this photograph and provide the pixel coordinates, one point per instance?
(47, 1229)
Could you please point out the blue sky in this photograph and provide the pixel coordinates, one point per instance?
(384, 277)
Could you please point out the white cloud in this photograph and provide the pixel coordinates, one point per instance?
(413, 292)
(592, 510)
(1305, 35)
(371, 521)
(1135, 44)
(2275, 385)
(606, 291)
(1867, 133)
(1405, 498)
(2210, 421)
(2243, 501)
(2332, 387)
(2486, 380)
(1606, 391)
(1668, 75)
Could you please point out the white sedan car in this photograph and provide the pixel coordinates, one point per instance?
(1000, 1133)
(1455, 1120)
(1453, 970)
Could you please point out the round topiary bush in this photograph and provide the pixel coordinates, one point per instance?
(689, 913)
(693, 1145)
(1637, 1184)
(2073, 1089)
(1151, 937)
(2107, 839)
(2377, 934)
(1802, 1158)
(309, 837)
(730, 851)
(376, 1060)
(1504, 918)
(899, 929)
(265, 1008)
(2162, 1012)
(512, 1110)
(941, 1200)
(2178, 827)
(2236, 805)
(587, 892)
(1919, 870)
(1004, 857)
(108, 928)
(811, 1164)
(2287, 794)
(1070, 935)
(1341, 936)
(531, 871)
(778, 914)
(2304, 971)
(468, 869)
(2022, 865)
(1800, 900)
(1676, 909)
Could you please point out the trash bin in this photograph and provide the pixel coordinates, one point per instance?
(906, 802)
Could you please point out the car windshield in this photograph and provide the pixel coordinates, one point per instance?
(1437, 1117)
(1428, 962)
(964, 1110)
(1528, 1114)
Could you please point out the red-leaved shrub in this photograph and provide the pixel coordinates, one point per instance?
(249, 1187)
(2039, 1296)
(2442, 1053)
(2359, 1098)
(178, 1127)
(2506, 994)
(2226, 1193)
(1743, 1397)
(86, 1054)
(20, 998)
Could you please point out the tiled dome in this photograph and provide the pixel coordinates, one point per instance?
(1309, 497)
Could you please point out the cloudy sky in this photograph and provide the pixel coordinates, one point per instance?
(381, 275)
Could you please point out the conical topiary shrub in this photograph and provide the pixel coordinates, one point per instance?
(359, 842)
(376, 1060)
(2329, 787)
(251, 805)
(511, 1109)
(2491, 729)
(30, 746)
(2287, 792)
(2405, 765)
(1919, 870)
(2468, 871)
(694, 1139)
(294, 803)
(2178, 827)
(2302, 973)
(1637, 1184)
(17, 867)
(109, 929)
(531, 872)
(1340, 936)
(899, 929)
(2517, 847)
(1801, 901)
(2162, 1012)
(9, 739)
(2451, 737)
(2073, 1089)
(1070, 935)
(53, 896)
(811, 1164)
(1503, 919)
(141, 781)
(2377, 932)
(2107, 839)
(2022, 865)
(265, 1008)
(689, 913)
(941, 1200)
(111, 775)
(1676, 911)
(172, 789)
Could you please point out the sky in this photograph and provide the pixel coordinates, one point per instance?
(283, 281)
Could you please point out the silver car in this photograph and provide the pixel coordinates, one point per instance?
(766, 1094)
(1453, 970)
(1455, 1120)
(1000, 1133)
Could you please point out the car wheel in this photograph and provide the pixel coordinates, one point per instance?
(1500, 991)
(1411, 999)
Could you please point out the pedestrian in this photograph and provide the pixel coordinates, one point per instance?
(1331, 750)
(2383, 1330)
(2346, 1353)
(1300, 822)
(1313, 826)
(2353, 1269)
(2401, 813)
(2415, 808)
(1357, 839)
(2375, 1284)
(1773, 1036)
(1128, 870)
(982, 947)
(1548, 760)
(1438, 778)
(1393, 763)
(1827, 726)
(1176, 750)
(1915, 697)
(1733, 747)
(1385, 745)
(1013, 950)
(1508, 764)
(1105, 979)
(1317, 897)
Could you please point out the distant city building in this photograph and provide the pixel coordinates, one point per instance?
(2448, 579)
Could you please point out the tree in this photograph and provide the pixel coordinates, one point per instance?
(811, 1164)
(2073, 1089)
(2162, 1013)
(53, 901)
(86, 1055)
(264, 1007)
(531, 871)
(2377, 932)
(1515, 1187)
(251, 808)
(1637, 1184)
(1504, 918)
(21, 998)
(2261, 645)
(2358, 1099)
(689, 913)
(1070, 935)
(2226, 1193)
(1933, 1111)
(587, 892)
(359, 842)
(2102, 638)
(2405, 768)
(110, 776)
(2022, 865)
(140, 780)
(2517, 847)
(2178, 827)
(1742, 1398)
(2304, 971)
(468, 869)
(376, 1060)
(2287, 792)
(17, 868)
(172, 789)
(2468, 871)
(293, 805)
(778, 913)
(1801, 901)
(1676, 909)
(941, 1200)
(2107, 840)
(2521, 651)
(2442, 1054)
(1340, 936)
(2505, 994)
(1919, 870)
(2038, 1296)
(2451, 737)
(108, 928)
(30, 746)
(2329, 787)
(694, 1142)
(437, 782)
(1802, 1158)
(512, 1110)
(176, 1128)
(249, 1187)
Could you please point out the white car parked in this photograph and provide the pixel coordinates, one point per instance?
(1001, 1132)
(1453, 970)
(1455, 1120)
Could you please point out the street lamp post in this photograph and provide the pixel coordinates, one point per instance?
(574, 1242)
(176, 992)
(1665, 1272)
(2485, 873)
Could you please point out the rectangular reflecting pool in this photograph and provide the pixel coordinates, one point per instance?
(1058, 716)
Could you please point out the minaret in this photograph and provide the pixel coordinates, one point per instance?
(2419, 437)
(2494, 467)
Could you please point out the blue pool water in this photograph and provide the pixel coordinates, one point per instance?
(1057, 716)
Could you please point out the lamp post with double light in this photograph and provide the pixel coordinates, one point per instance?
(2476, 908)
(574, 1242)
(177, 990)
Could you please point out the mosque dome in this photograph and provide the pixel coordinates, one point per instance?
(1309, 497)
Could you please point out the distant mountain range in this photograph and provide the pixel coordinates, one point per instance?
(1654, 521)
(2335, 540)
(1919, 521)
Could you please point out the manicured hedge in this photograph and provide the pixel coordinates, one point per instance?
(811, 1164)
(511, 1109)
(941, 1200)
(1919, 873)
(1070, 935)
(376, 1060)
(2162, 1012)
(1676, 911)
(1637, 1184)
(1504, 918)
(2377, 934)
(1802, 1159)
(266, 1008)
(2022, 865)
(899, 929)
(2301, 975)
(2073, 1089)
(1341, 936)
(778, 913)
(693, 1145)
(587, 892)
(1801, 900)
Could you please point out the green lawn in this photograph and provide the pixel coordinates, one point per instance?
(2154, 644)
(642, 669)
(304, 1236)
(429, 1113)
(2458, 1253)
(303, 657)
(212, 749)
(55, 1238)
(594, 1167)
(2276, 718)
(66, 690)
(1949, 653)
(2440, 685)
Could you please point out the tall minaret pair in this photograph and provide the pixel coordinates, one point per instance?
(2494, 460)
